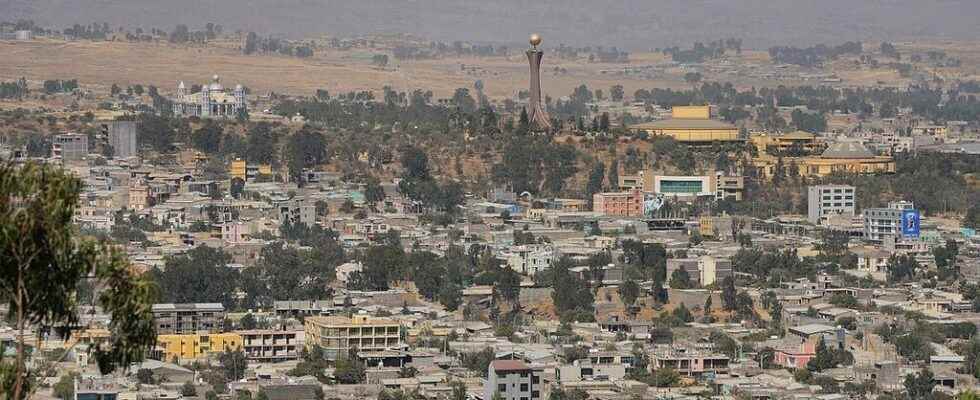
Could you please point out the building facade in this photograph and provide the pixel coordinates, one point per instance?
(195, 346)
(188, 318)
(212, 101)
(268, 345)
(121, 136)
(338, 335)
(69, 147)
(691, 125)
(883, 223)
(622, 204)
(827, 200)
(512, 380)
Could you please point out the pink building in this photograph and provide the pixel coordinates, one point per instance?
(623, 204)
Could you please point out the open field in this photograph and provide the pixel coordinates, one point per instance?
(100, 64)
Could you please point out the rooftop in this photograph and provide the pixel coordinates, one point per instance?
(847, 149)
(684, 123)
(508, 365)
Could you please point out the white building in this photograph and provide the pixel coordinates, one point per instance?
(213, 101)
(512, 380)
(881, 223)
(529, 259)
(827, 200)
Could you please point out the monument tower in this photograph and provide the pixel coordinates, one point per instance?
(536, 114)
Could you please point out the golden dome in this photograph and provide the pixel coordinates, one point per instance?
(535, 39)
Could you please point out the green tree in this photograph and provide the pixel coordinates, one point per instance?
(65, 388)
(233, 364)
(144, 376)
(42, 262)
(214, 281)
(666, 377)
(919, 385)
(248, 322)
(237, 187)
(349, 371)
(729, 295)
(628, 292)
(680, 279)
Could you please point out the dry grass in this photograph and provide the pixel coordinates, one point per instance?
(100, 64)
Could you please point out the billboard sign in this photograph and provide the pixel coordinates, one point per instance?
(910, 223)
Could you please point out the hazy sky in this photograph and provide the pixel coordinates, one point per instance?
(635, 24)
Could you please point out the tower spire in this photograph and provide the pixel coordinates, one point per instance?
(537, 116)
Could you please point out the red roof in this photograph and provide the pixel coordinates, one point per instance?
(509, 365)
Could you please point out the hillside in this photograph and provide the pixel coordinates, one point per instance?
(634, 24)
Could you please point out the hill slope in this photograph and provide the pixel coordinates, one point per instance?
(636, 24)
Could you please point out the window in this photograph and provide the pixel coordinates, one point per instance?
(524, 387)
(535, 394)
(535, 380)
(502, 387)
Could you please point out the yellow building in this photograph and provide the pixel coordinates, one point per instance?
(843, 157)
(247, 172)
(195, 346)
(804, 141)
(692, 125)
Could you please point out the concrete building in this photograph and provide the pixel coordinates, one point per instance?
(69, 147)
(338, 335)
(297, 211)
(690, 362)
(268, 345)
(882, 223)
(829, 200)
(701, 271)
(512, 380)
(122, 137)
(529, 259)
(691, 125)
(188, 318)
(622, 204)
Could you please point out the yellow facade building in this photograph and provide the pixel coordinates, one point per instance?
(195, 346)
(800, 140)
(691, 125)
(840, 157)
(247, 172)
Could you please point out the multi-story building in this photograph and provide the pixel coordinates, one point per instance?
(701, 271)
(121, 136)
(195, 346)
(882, 223)
(339, 335)
(248, 172)
(271, 345)
(69, 147)
(691, 125)
(622, 204)
(511, 380)
(188, 318)
(827, 200)
(729, 187)
(529, 259)
(690, 361)
(297, 211)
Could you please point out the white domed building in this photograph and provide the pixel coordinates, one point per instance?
(212, 101)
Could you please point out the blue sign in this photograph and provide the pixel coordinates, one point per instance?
(910, 223)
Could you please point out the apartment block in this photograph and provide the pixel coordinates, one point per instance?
(175, 319)
(338, 335)
(882, 223)
(267, 345)
(828, 200)
(70, 147)
(622, 204)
